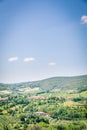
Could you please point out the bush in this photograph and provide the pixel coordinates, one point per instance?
(61, 127)
(78, 126)
(77, 99)
(35, 127)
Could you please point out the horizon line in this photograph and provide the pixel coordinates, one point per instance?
(66, 76)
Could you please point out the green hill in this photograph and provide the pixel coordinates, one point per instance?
(61, 83)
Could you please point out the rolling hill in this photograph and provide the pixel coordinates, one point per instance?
(55, 83)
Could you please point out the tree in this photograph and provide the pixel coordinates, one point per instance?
(35, 127)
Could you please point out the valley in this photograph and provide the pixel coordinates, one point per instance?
(58, 103)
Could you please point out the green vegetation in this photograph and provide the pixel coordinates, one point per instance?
(52, 107)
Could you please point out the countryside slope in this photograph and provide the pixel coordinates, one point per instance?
(50, 84)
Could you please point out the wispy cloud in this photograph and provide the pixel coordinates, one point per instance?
(29, 59)
(13, 59)
(84, 19)
(51, 63)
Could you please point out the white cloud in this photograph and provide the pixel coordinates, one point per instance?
(29, 59)
(52, 64)
(84, 19)
(12, 59)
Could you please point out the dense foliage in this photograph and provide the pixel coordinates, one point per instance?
(53, 109)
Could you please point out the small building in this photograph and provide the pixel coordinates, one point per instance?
(42, 114)
(4, 99)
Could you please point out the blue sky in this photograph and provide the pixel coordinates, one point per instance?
(42, 38)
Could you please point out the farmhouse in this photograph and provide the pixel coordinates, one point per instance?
(4, 99)
(42, 114)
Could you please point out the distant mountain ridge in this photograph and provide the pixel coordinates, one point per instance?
(63, 83)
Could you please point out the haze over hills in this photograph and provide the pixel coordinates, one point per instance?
(50, 84)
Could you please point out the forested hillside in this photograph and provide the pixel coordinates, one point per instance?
(58, 103)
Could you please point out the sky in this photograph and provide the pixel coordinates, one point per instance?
(42, 38)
